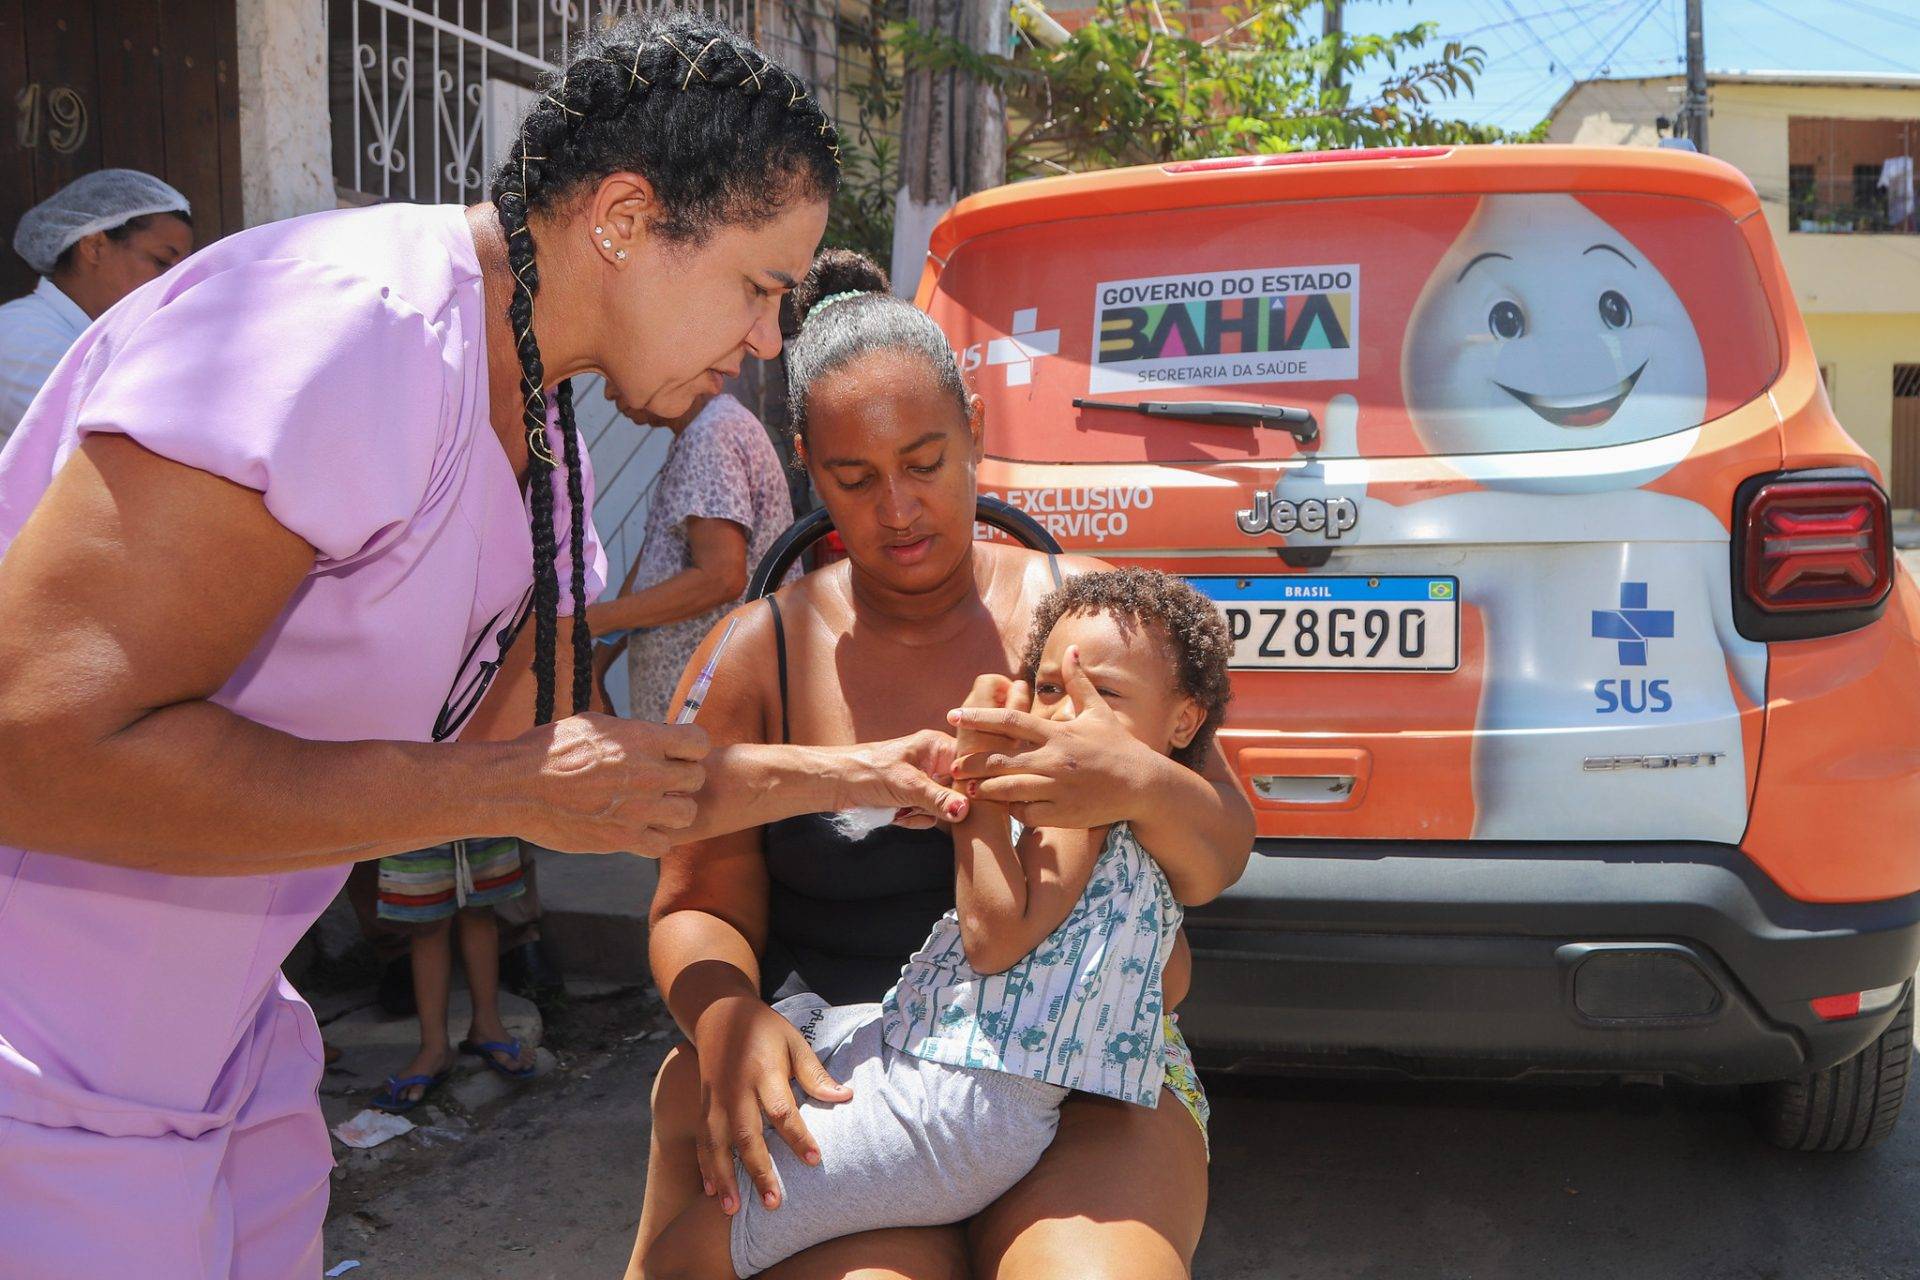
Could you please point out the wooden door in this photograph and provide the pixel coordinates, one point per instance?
(1906, 436)
(122, 84)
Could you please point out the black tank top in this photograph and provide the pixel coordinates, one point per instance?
(844, 916)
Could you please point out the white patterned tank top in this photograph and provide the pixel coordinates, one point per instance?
(1082, 1010)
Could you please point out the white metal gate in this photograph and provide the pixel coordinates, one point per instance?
(433, 88)
(425, 93)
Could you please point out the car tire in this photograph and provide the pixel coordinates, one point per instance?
(1850, 1106)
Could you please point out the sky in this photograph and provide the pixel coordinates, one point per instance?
(1536, 49)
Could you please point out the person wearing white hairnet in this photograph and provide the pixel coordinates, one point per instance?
(94, 241)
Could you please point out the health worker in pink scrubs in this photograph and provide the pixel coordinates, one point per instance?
(264, 536)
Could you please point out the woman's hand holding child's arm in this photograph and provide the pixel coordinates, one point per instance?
(1009, 899)
(990, 885)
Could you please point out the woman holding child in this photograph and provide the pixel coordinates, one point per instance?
(800, 913)
(264, 537)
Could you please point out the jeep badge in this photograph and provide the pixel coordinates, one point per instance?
(1315, 515)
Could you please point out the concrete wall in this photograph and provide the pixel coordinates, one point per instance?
(1860, 293)
(1863, 348)
(286, 159)
(1831, 273)
(1614, 113)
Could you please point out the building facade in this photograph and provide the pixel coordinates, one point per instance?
(1833, 158)
(99, 84)
(266, 109)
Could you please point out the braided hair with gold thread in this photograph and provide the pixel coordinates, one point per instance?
(724, 136)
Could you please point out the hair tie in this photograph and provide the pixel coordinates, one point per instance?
(829, 300)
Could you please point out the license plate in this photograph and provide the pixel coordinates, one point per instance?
(1301, 622)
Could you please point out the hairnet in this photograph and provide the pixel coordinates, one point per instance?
(99, 201)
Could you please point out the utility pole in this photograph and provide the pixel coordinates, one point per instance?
(1696, 105)
(1330, 28)
(953, 132)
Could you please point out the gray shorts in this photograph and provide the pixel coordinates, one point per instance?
(920, 1144)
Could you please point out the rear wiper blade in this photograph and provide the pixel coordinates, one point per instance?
(1238, 413)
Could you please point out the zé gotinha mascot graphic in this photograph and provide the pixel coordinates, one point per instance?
(1552, 364)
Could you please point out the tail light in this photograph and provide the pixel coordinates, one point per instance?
(1814, 554)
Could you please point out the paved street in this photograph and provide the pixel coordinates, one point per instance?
(1331, 1181)
(1315, 1180)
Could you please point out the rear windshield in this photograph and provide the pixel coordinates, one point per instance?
(1458, 324)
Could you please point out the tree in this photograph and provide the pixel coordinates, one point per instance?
(1131, 86)
(863, 208)
(953, 128)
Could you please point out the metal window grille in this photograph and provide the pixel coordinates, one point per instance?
(425, 94)
(1852, 175)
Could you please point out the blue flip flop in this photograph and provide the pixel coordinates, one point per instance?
(485, 1050)
(389, 1099)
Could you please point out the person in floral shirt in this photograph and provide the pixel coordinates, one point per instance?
(720, 502)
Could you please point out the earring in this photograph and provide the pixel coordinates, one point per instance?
(606, 244)
(599, 231)
(620, 255)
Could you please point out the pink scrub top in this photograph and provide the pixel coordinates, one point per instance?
(336, 364)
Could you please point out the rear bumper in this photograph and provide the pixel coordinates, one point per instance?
(1504, 960)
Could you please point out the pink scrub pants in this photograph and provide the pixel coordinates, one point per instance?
(244, 1201)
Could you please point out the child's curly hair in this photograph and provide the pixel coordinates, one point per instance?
(1144, 598)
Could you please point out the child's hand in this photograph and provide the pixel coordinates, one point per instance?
(989, 691)
(1080, 773)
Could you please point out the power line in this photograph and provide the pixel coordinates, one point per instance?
(1525, 66)
(1633, 24)
(1585, 15)
(1584, 23)
(1605, 6)
(1485, 8)
(1777, 11)
(1502, 112)
(1553, 59)
(1499, 113)
(1889, 15)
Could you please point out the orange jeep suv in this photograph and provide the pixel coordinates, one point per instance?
(1577, 688)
